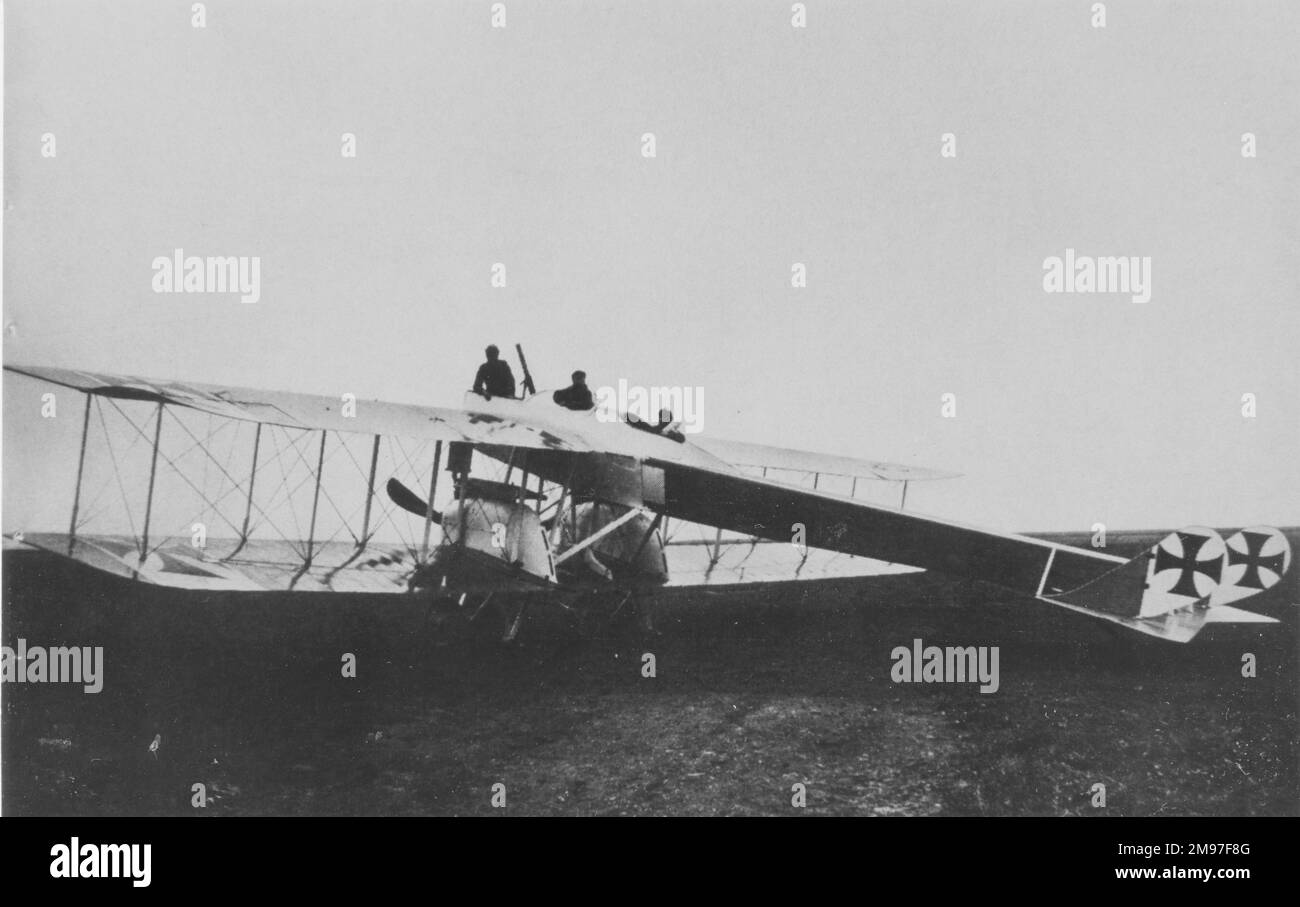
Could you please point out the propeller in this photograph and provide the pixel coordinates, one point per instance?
(410, 501)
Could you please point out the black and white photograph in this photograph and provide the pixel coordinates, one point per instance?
(651, 408)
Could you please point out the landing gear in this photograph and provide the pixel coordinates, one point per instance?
(512, 632)
(601, 611)
(501, 618)
(474, 616)
(642, 606)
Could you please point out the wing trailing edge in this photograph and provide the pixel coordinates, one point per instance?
(742, 454)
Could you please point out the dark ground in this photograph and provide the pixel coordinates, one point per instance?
(754, 692)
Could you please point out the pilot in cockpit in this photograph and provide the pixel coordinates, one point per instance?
(577, 395)
(667, 425)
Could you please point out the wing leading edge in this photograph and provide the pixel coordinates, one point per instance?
(317, 412)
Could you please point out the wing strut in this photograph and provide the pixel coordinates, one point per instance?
(153, 473)
(370, 492)
(654, 524)
(598, 535)
(248, 508)
(433, 489)
(315, 502)
(557, 519)
(81, 464)
(363, 540)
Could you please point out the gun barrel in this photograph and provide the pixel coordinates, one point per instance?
(523, 364)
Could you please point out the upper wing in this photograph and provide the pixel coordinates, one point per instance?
(313, 411)
(744, 454)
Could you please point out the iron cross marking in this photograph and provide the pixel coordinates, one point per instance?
(1254, 560)
(1188, 564)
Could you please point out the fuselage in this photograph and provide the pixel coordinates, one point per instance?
(493, 543)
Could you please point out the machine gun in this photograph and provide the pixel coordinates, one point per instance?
(529, 387)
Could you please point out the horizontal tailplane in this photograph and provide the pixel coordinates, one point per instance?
(1173, 589)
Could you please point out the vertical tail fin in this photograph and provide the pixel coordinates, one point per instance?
(1174, 588)
(1257, 559)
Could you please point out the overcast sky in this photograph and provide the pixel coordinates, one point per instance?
(774, 145)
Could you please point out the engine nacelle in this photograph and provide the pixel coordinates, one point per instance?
(499, 530)
(626, 550)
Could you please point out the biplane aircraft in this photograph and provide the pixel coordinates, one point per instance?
(222, 488)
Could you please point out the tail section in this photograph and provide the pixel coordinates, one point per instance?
(1257, 560)
(1185, 581)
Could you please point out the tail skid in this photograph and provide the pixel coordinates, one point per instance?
(1185, 581)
